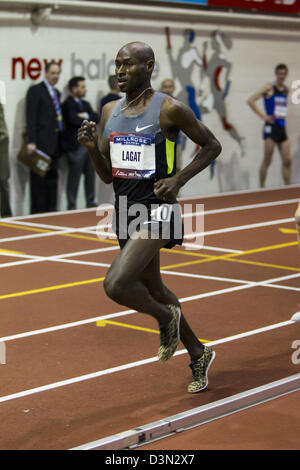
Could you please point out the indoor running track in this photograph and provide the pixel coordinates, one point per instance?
(78, 367)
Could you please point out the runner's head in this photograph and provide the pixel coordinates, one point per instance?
(281, 71)
(134, 66)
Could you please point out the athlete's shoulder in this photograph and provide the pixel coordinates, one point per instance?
(171, 106)
(175, 114)
(108, 107)
(268, 86)
(107, 112)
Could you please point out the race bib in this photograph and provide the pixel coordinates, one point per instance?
(132, 156)
(280, 110)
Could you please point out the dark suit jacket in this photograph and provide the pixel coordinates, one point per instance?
(71, 109)
(41, 122)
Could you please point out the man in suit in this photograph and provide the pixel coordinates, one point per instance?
(5, 210)
(44, 127)
(75, 111)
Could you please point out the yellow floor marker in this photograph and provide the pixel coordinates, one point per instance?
(288, 230)
(7, 252)
(103, 323)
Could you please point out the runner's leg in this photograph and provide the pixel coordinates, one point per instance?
(268, 154)
(151, 278)
(284, 149)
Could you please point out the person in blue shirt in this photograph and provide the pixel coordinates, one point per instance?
(275, 100)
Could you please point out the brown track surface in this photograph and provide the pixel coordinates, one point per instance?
(49, 293)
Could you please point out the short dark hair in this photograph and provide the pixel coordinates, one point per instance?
(112, 81)
(73, 82)
(281, 67)
(48, 65)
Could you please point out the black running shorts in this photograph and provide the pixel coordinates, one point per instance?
(159, 221)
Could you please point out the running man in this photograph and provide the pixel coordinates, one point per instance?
(275, 102)
(136, 152)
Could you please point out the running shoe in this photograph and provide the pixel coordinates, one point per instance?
(169, 335)
(199, 370)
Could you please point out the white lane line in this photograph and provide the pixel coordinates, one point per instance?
(240, 227)
(247, 284)
(198, 198)
(212, 248)
(55, 214)
(37, 259)
(244, 191)
(87, 252)
(49, 234)
(113, 236)
(203, 276)
(281, 287)
(131, 365)
(82, 263)
(242, 208)
(62, 229)
(192, 214)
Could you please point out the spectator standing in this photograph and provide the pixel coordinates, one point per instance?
(113, 95)
(75, 111)
(275, 98)
(44, 127)
(4, 167)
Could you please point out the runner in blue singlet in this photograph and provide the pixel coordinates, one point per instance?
(275, 101)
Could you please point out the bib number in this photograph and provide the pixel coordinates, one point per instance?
(162, 213)
(280, 111)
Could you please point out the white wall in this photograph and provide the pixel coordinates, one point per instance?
(93, 42)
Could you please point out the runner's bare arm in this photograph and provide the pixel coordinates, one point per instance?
(177, 116)
(256, 96)
(97, 144)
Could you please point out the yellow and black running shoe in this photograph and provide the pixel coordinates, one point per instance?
(169, 335)
(200, 369)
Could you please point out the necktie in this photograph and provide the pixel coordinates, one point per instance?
(57, 109)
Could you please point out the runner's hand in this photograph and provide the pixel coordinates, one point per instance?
(166, 189)
(87, 134)
(268, 119)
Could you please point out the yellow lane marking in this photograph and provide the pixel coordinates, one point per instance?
(227, 257)
(12, 252)
(258, 250)
(71, 235)
(47, 289)
(22, 227)
(288, 230)
(125, 325)
(189, 253)
(266, 265)
(187, 263)
(103, 323)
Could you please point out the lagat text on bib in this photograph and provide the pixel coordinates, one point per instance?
(132, 155)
